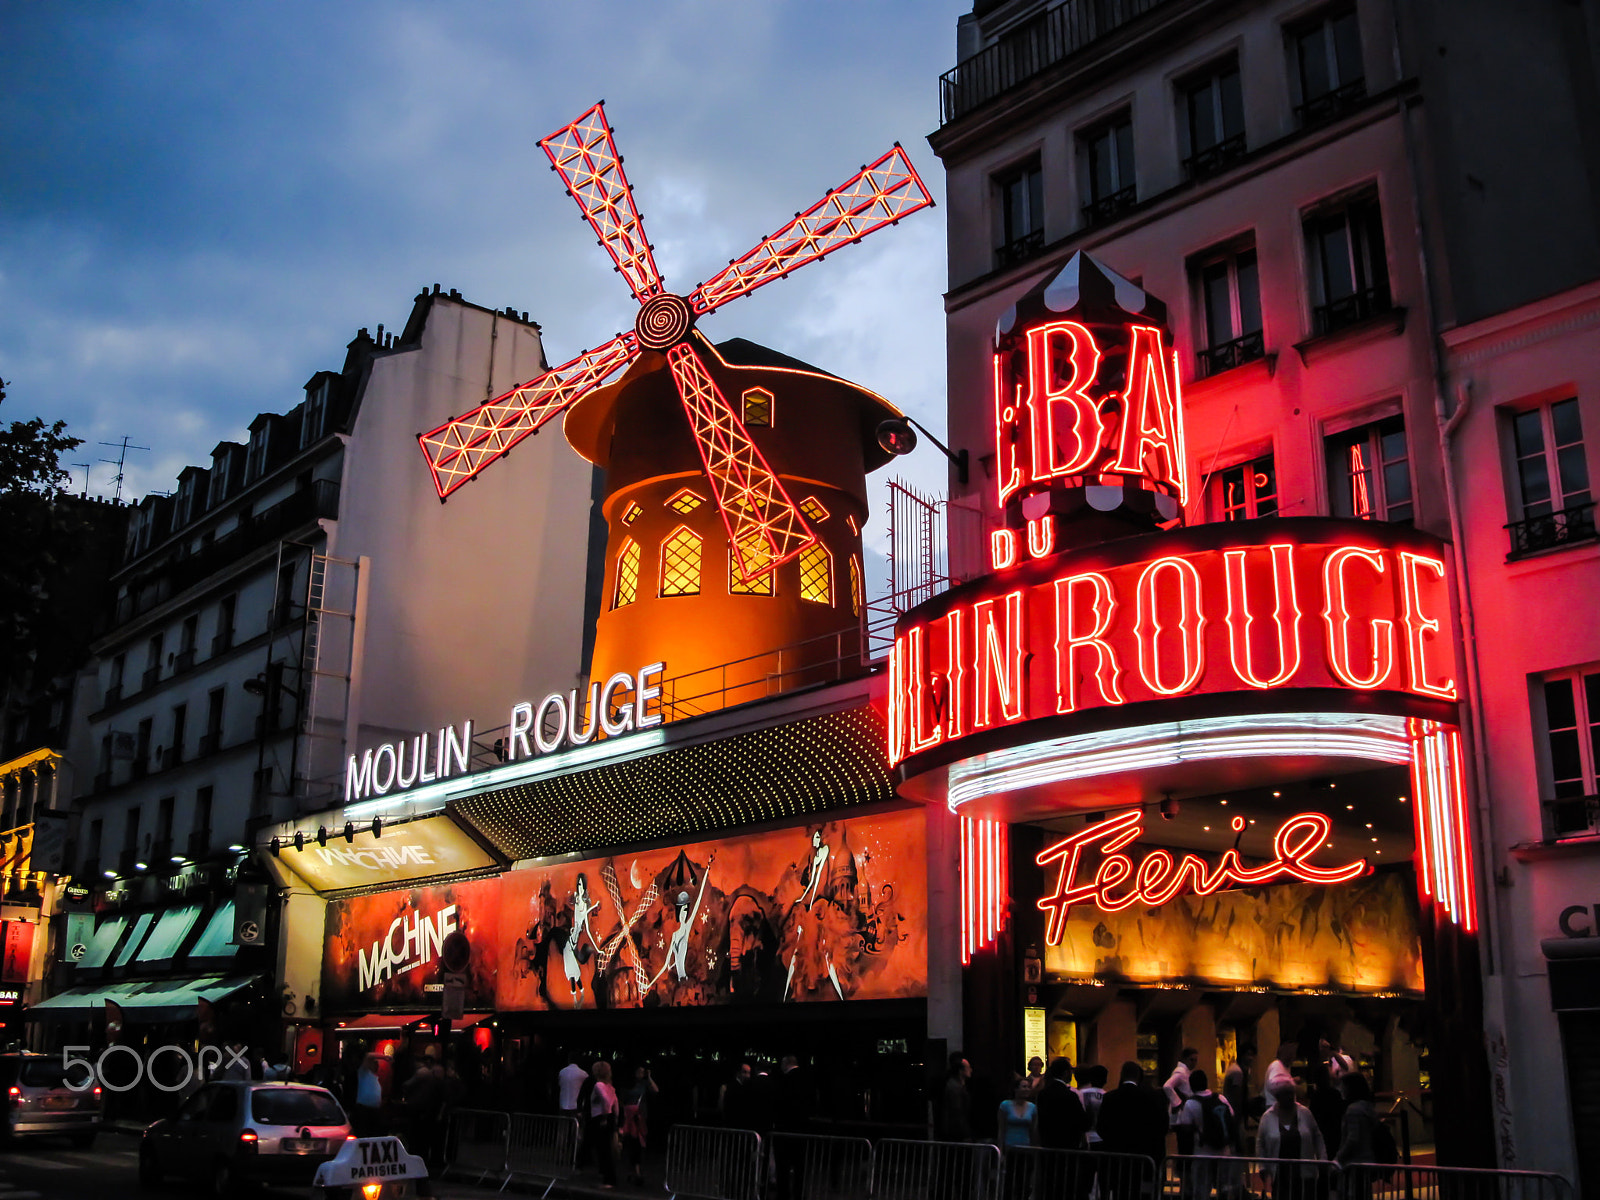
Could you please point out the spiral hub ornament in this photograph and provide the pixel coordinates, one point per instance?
(663, 321)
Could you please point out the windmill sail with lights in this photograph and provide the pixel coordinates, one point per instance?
(765, 527)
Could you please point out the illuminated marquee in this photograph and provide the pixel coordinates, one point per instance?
(1117, 883)
(1323, 604)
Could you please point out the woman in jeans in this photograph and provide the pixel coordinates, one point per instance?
(604, 1111)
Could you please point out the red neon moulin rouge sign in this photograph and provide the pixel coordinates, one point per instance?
(1117, 883)
(1323, 604)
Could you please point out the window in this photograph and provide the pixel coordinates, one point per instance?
(685, 502)
(141, 752)
(1213, 124)
(180, 722)
(627, 585)
(631, 514)
(1369, 475)
(225, 613)
(857, 592)
(221, 477)
(211, 740)
(1327, 65)
(164, 824)
(756, 555)
(1106, 158)
(1345, 259)
(130, 831)
(1229, 294)
(1552, 478)
(255, 464)
(816, 574)
(119, 667)
(188, 634)
(200, 836)
(97, 832)
(283, 605)
(1247, 491)
(757, 407)
(1572, 724)
(1019, 194)
(152, 660)
(680, 563)
(315, 413)
(189, 491)
(813, 509)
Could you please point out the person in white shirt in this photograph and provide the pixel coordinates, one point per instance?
(568, 1085)
(1178, 1094)
(1092, 1093)
(1279, 1075)
(1213, 1120)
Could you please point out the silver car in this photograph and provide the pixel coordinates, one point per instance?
(39, 1103)
(236, 1132)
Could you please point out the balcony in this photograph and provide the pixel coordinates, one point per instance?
(1350, 310)
(1108, 207)
(113, 695)
(222, 643)
(1572, 816)
(170, 757)
(199, 843)
(1052, 37)
(1331, 105)
(127, 861)
(210, 743)
(1550, 531)
(161, 854)
(1213, 160)
(139, 767)
(90, 869)
(1018, 250)
(151, 677)
(184, 660)
(1214, 360)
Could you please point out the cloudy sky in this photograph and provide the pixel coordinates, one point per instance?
(200, 203)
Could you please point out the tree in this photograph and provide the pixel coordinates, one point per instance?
(41, 532)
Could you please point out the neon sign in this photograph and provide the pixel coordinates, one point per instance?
(1117, 883)
(1209, 610)
(617, 706)
(1056, 419)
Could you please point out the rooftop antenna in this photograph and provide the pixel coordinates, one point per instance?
(120, 461)
(85, 493)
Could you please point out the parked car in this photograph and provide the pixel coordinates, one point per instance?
(235, 1132)
(40, 1104)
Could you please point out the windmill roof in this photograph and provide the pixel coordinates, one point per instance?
(742, 352)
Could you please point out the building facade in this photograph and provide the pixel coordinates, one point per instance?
(1377, 292)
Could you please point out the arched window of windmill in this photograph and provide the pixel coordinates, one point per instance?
(857, 592)
(627, 587)
(680, 563)
(816, 574)
(755, 555)
(757, 407)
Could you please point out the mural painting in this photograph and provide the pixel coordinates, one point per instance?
(814, 913)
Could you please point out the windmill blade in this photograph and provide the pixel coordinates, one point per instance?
(462, 446)
(585, 155)
(765, 529)
(878, 195)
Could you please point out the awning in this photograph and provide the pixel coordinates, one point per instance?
(169, 933)
(378, 1022)
(106, 936)
(142, 1000)
(216, 941)
(140, 927)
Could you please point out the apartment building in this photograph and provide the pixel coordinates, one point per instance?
(1374, 226)
(302, 592)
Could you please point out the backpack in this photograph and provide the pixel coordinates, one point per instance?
(1384, 1150)
(1216, 1123)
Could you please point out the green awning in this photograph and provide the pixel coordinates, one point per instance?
(140, 927)
(106, 936)
(168, 934)
(141, 1000)
(216, 940)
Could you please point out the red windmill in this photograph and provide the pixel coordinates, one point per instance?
(764, 526)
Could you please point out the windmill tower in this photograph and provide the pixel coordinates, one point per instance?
(714, 555)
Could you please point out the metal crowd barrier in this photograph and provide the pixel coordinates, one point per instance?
(1201, 1176)
(1372, 1181)
(907, 1170)
(1040, 1173)
(713, 1164)
(477, 1142)
(540, 1147)
(805, 1166)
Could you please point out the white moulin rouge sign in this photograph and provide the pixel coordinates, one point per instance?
(557, 721)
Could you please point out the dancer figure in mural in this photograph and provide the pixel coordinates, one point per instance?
(573, 954)
(812, 877)
(678, 944)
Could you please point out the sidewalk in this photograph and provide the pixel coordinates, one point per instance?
(585, 1183)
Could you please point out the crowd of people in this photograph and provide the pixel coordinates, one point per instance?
(1320, 1113)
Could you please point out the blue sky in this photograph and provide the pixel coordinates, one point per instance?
(200, 203)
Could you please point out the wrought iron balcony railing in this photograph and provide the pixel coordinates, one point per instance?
(1050, 38)
(1109, 207)
(1213, 160)
(1331, 105)
(1350, 310)
(1018, 250)
(1549, 530)
(1572, 816)
(1214, 360)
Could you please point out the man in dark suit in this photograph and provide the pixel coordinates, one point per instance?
(1063, 1125)
(1133, 1120)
